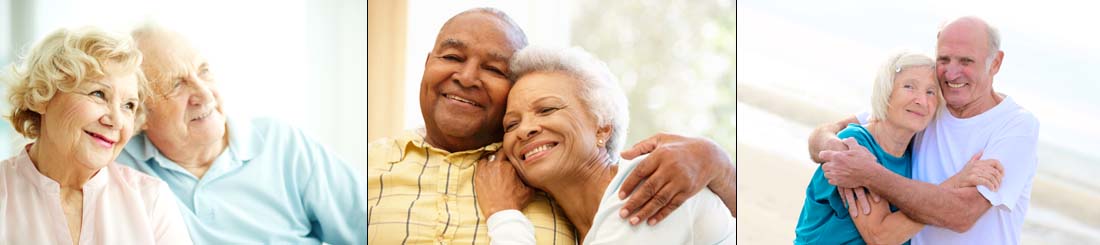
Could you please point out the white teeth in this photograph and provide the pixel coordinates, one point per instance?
(460, 99)
(955, 85)
(537, 150)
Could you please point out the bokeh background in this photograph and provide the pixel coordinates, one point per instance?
(804, 63)
(674, 59)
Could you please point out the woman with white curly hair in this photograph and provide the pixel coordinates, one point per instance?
(78, 96)
(564, 125)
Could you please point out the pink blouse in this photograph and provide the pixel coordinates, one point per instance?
(121, 206)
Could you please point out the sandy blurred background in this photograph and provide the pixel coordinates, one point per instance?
(804, 63)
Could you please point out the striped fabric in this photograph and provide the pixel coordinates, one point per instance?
(418, 194)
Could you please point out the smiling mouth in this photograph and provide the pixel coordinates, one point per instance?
(460, 99)
(100, 137)
(537, 150)
(917, 113)
(955, 85)
(203, 116)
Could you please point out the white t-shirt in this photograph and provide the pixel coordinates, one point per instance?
(701, 219)
(1008, 133)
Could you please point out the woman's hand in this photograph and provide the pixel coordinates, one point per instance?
(987, 172)
(498, 187)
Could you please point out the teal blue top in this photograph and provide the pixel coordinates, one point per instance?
(824, 219)
(272, 185)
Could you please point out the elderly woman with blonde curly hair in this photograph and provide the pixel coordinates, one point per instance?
(78, 96)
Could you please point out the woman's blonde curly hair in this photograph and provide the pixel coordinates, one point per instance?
(61, 62)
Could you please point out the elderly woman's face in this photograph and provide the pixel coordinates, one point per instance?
(914, 99)
(93, 122)
(547, 130)
(186, 108)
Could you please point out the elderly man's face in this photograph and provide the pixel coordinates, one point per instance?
(185, 107)
(962, 55)
(464, 86)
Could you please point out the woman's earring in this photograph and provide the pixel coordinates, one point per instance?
(599, 142)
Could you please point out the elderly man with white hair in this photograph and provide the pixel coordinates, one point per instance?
(564, 126)
(981, 124)
(239, 180)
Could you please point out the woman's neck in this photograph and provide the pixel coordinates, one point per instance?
(893, 138)
(58, 166)
(579, 194)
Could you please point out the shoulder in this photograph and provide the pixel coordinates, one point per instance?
(1016, 119)
(858, 132)
(391, 149)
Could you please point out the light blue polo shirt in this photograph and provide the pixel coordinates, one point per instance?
(272, 185)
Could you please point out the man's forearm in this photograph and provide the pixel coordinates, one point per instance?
(953, 208)
(822, 136)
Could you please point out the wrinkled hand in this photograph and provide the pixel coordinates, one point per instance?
(675, 169)
(851, 195)
(850, 168)
(988, 172)
(498, 186)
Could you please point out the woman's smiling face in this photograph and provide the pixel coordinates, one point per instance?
(548, 130)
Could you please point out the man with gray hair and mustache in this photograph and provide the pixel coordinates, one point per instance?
(981, 125)
(239, 180)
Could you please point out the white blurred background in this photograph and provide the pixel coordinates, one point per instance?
(296, 60)
(803, 63)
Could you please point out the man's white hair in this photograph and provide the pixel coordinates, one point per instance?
(884, 80)
(599, 90)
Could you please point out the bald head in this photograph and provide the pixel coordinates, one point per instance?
(502, 23)
(969, 25)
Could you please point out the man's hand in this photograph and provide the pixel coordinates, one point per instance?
(677, 168)
(498, 187)
(851, 168)
(988, 172)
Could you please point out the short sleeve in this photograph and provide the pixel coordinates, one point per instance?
(1016, 149)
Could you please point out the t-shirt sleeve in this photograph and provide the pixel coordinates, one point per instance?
(1015, 148)
(864, 117)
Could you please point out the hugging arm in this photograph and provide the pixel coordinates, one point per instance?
(675, 169)
(945, 206)
(824, 138)
(881, 226)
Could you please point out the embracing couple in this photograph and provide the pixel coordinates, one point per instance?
(960, 173)
(524, 145)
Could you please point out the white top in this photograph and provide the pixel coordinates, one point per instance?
(1008, 133)
(701, 219)
(121, 206)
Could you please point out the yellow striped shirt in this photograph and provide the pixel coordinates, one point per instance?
(419, 194)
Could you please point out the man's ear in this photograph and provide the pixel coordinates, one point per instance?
(996, 66)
